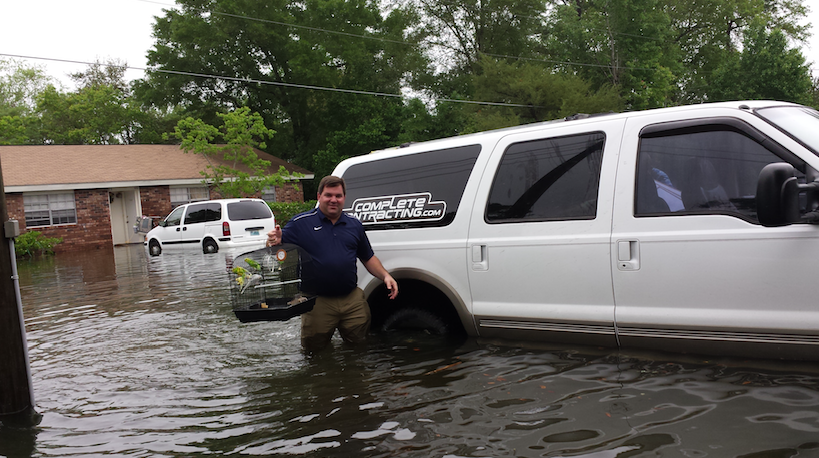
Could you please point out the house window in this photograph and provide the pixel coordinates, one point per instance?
(49, 209)
(181, 196)
(269, 194)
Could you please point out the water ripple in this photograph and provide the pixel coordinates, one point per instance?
(134, 355)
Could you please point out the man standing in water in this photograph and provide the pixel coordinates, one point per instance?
(334, 240)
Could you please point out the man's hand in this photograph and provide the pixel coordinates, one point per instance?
(374, 266)
(274, 237)
(392, 286)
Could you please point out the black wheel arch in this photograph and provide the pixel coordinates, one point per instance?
(208, 241)
(420, 296)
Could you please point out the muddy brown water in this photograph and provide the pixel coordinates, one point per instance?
(134, 355)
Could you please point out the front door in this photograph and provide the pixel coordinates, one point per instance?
(124, 205)
(539, 236)
(690, 259)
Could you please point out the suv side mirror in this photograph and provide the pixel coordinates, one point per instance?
(162, 223)
(777, 196)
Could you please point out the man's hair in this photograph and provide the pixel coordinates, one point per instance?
(330, 181)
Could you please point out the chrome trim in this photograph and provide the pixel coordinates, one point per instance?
(689, 334)
(547, 326)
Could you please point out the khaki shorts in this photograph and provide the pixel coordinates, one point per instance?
(349, 314)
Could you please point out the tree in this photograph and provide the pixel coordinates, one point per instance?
(709, 32)
(245, 173)
(271, 54)
(548, 95)
(765, 69)
(19, 86)
(101, 111)
(626, 44)
(13, 130)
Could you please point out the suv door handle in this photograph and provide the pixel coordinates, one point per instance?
(628, 254)
(479, 258)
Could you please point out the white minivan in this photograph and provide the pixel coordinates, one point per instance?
(686, 229)
(212, 225)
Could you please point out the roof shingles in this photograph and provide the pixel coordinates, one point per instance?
(87, 164)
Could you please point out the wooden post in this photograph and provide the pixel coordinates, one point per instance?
(16, 393)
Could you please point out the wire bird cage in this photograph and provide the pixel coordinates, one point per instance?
(272, 284)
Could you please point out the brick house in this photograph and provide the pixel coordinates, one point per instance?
(92, 195)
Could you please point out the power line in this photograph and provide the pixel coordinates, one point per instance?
(287, 24)
(368, 37)
(273, 83)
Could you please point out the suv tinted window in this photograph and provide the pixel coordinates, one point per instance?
(417, 190)
(248, 209)
(706, 169)
(202, 213)
(555, 178)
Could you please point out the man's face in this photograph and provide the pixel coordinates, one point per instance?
(331, 201)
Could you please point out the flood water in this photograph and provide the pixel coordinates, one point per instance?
(139, 356)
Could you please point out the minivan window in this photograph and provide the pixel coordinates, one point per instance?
(549, 179)
(175, 217)
(710, 170)
(203, 213)
(247, 210)
(415, 190)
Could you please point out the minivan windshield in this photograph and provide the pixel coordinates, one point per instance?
(801, 123)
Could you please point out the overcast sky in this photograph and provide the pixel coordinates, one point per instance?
(89, 30)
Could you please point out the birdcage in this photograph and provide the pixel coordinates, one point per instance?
(272, 284)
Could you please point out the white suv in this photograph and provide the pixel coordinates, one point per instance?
(686, 229)
(213, 224)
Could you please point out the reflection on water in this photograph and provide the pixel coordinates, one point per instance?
(134, 355)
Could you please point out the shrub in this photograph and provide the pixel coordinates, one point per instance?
(286, 210)
(33, 242)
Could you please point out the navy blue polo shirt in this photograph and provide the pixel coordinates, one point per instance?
(333, 247)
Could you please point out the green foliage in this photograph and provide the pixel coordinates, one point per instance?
(246, 174)
(284, 211)
(548, 95)
(19, 86)
(32, 243)
(627, 44)
(13, 130)
(93, 115)
(362, 51)
(765, 69)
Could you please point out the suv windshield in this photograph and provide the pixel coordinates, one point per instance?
(801, 123)
(248, 209)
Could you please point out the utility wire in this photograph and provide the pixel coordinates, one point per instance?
(273, 83)
(354, 35)
(287, 24)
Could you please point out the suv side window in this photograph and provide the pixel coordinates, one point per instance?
(708, 169)
(203, 213)
(548, 179)
(415, 190)
(175, 217)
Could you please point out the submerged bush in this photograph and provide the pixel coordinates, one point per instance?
(33, 242)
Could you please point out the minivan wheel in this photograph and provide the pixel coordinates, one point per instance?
(209, 246)
(415, 318)
(154, 248)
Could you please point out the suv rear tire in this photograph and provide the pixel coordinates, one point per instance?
(415, 318)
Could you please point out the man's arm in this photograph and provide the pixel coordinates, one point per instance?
(374, 266)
